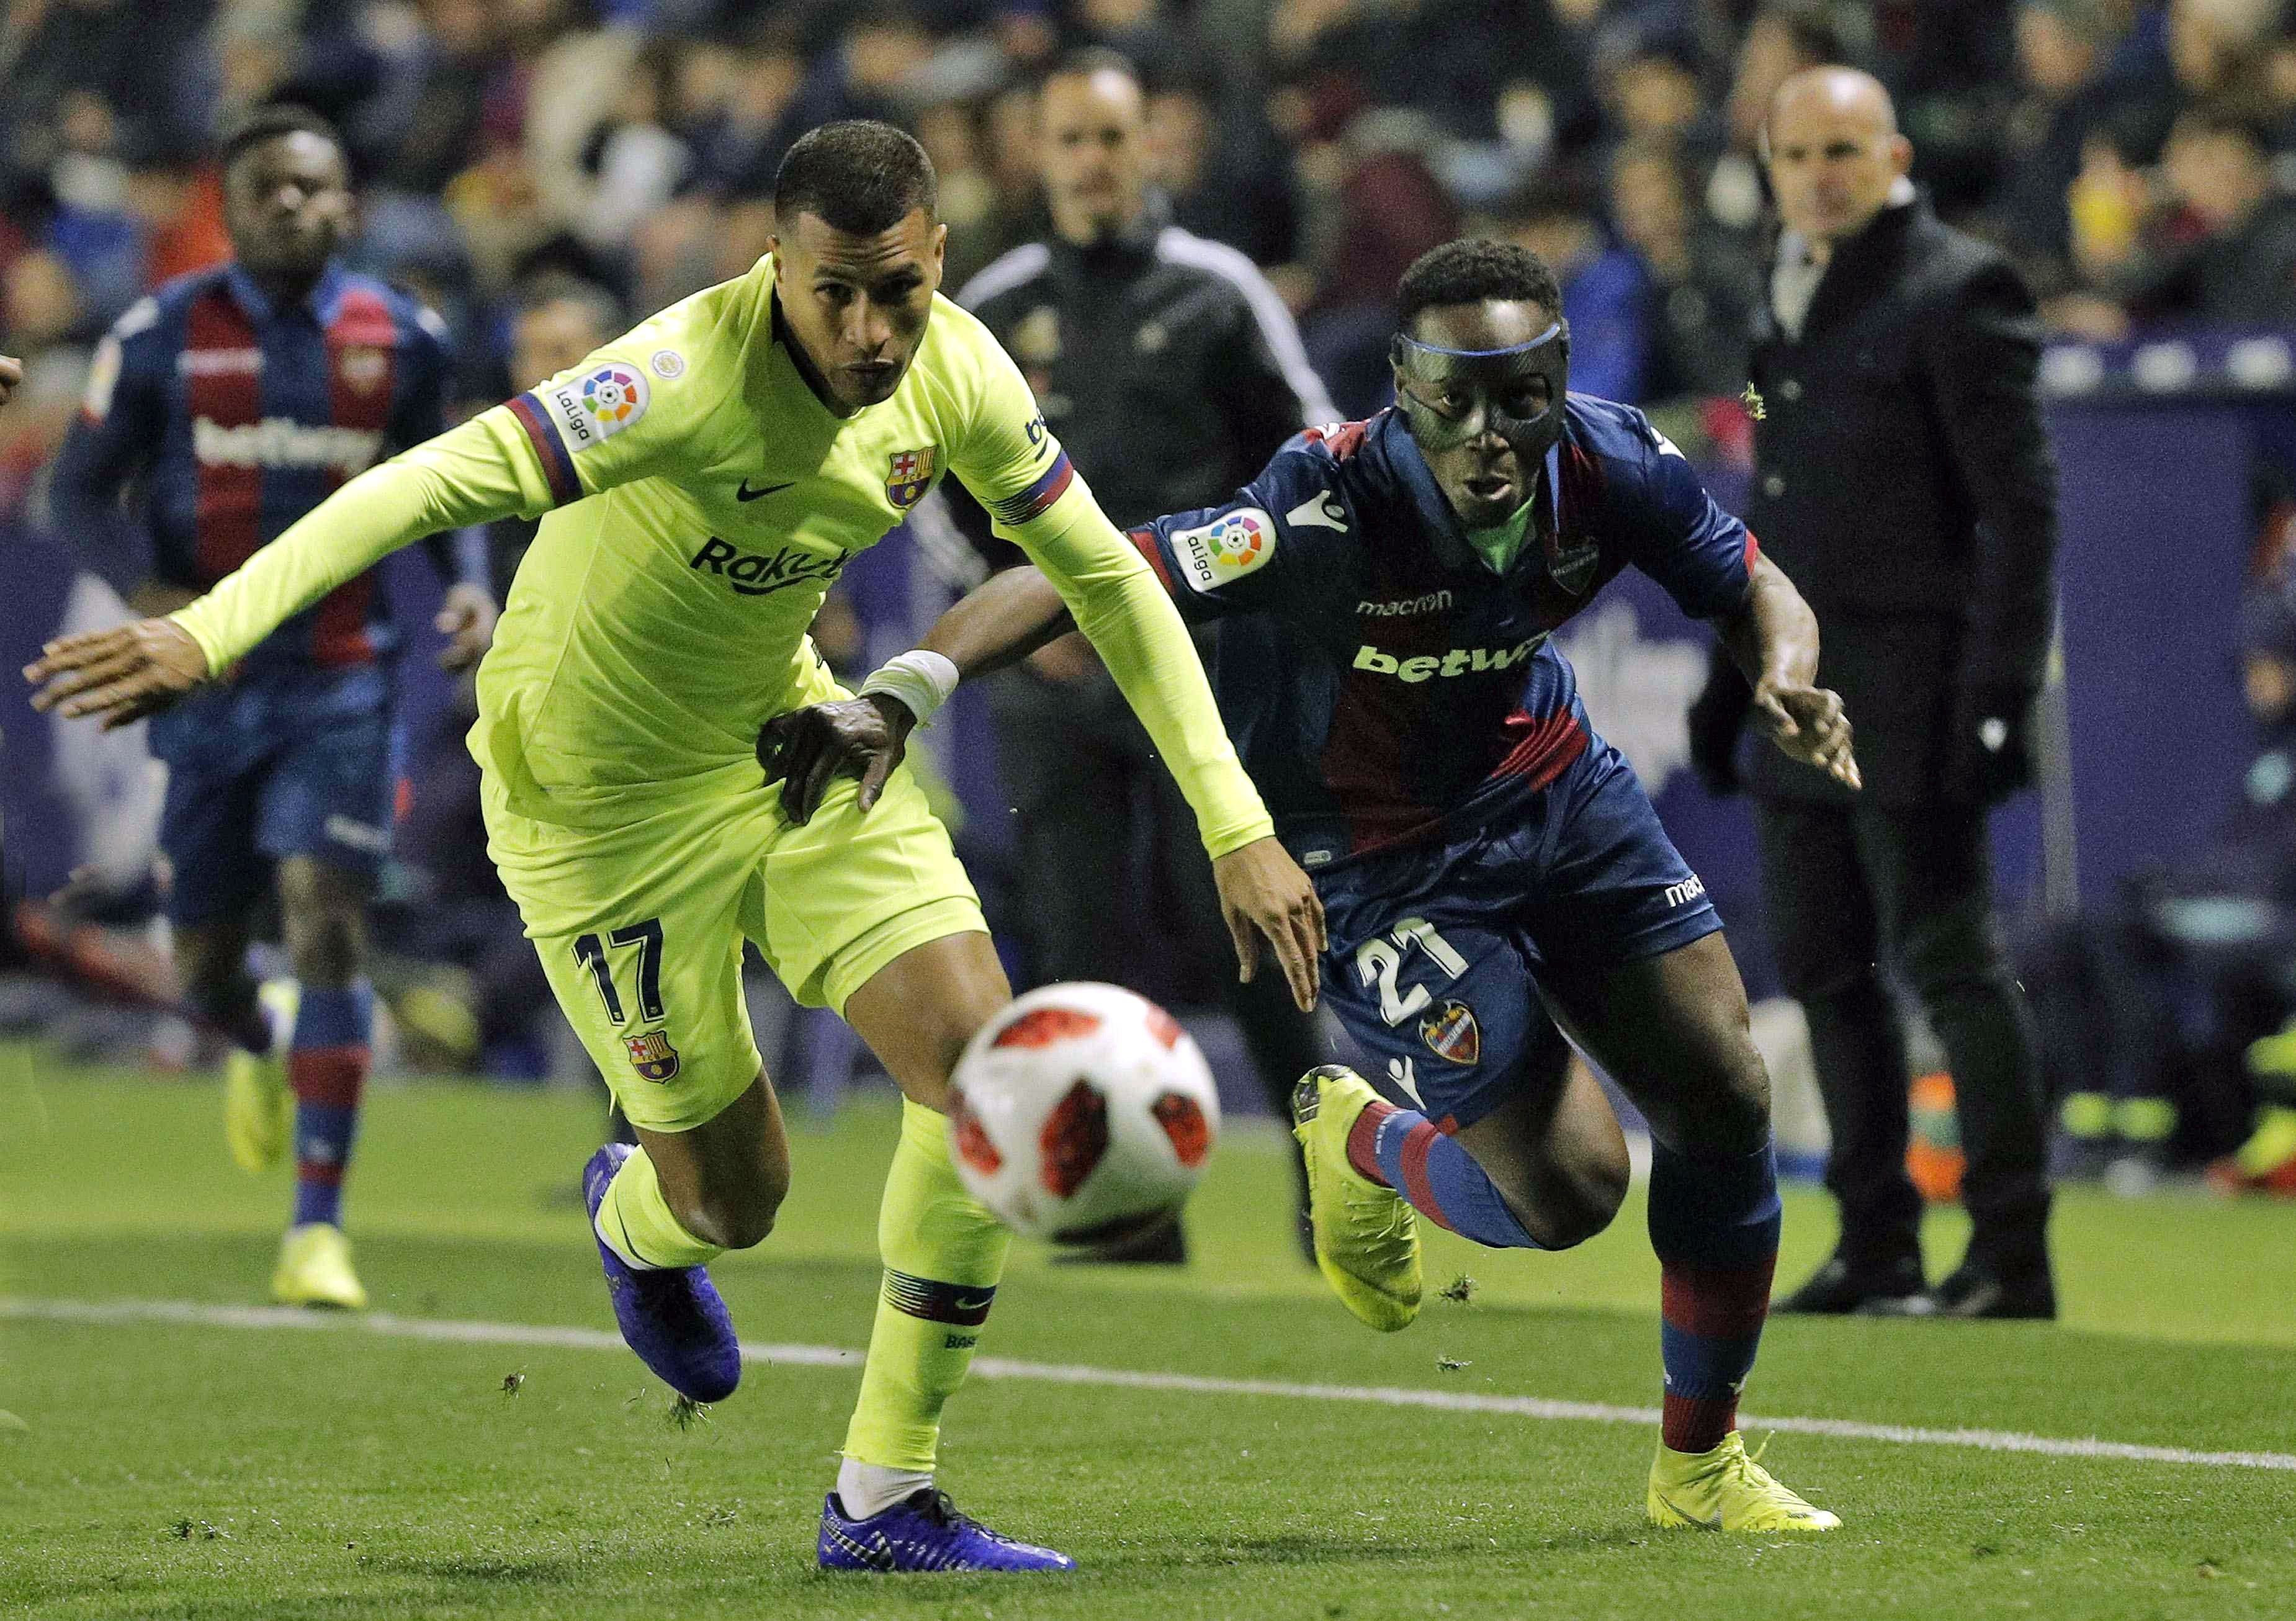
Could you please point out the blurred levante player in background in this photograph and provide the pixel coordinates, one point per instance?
(230, 403)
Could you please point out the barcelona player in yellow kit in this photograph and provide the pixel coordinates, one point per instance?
(705, 479)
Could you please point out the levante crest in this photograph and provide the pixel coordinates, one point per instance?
(911, 476)
(652, 1055)
(1451, 1032)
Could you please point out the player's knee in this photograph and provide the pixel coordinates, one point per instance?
(1729, 1112)
(325, 945)
(745, 1226)
(739, 1218)
(1741, 1114)
(1581, 1202)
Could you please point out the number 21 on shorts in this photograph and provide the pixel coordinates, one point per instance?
(1380, 959)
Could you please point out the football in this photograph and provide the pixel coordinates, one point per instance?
(1081, 1113)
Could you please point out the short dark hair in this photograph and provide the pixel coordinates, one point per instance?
(268, 123)
(1472, 269)
(856, 176)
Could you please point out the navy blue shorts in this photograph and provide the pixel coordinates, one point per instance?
(1436, 949)
(273, 766)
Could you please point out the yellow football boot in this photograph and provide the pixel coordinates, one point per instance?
(258, 1111)
(314, 1269)
(1367, 1237)
(1727, 1490)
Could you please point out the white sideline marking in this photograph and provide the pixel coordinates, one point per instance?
(390, 1327)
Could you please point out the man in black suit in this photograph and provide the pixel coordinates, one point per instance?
(1902, 478)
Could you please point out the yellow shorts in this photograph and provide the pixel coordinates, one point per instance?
(640, 926)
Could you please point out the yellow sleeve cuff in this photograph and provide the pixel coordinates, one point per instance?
(1125, 614)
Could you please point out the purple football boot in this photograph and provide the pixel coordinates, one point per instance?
(923, 1532)
(674, 1318)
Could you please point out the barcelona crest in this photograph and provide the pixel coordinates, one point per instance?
(652, 1055)
(1451, 1032)
(911, 476)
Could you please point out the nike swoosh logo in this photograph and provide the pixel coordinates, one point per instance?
(968, 1303)
(1713, 1523)
(746, 493)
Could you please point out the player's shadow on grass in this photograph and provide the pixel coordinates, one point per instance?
(492, 1570)
(1309, 1548)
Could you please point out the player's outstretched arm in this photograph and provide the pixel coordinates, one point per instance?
(1000, 623)
(122, 674)
(1773, 637)
(1262, 891)
(470, 475)
(1018, 611)
(1019, 472)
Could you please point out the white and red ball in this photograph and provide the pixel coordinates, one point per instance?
(1082, 1112)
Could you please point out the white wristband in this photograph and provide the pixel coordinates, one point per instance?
(920, 680)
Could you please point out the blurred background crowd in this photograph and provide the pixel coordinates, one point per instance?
(2131, 154)
(543, 171)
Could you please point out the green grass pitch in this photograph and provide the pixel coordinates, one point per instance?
(197, 1470)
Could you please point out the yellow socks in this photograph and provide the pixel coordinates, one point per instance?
(943, 1254)
(636, 1222)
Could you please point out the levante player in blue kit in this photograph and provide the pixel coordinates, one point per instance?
(1490, 868)
(229, 404)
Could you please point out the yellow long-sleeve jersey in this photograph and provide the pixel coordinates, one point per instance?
(699, 501)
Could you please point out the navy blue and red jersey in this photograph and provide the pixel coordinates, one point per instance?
(1378, 677)
(224, 420)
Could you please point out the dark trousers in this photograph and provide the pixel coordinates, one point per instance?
(1844, 884)
(1113, 880)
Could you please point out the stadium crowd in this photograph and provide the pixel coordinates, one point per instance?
(2130, 153)
(538, 171)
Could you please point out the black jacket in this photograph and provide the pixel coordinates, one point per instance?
(1166, 364)
(1903, 481)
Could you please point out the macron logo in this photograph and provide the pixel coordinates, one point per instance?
(1434, 601)
(1678, 894)
(1458, 661)
(1320, 510)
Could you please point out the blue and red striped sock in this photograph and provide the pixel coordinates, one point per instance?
(327, 1065)
(1714, 1221)
(1406, 1151)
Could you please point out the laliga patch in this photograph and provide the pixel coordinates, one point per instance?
(594, 407)
(652, 1055)
(1451, 1032)
(1225, 549)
